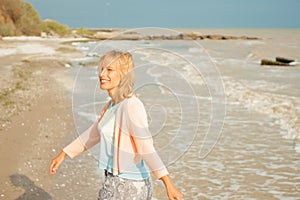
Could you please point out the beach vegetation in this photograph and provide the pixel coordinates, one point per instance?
(66, 49)
(18, 18)
(29, 21)
(52, 27)
(7, 29)
(84, 32)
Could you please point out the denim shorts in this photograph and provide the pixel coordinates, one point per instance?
(118, 188)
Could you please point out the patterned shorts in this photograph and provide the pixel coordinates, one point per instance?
(118, 188)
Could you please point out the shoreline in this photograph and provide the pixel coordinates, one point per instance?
(156, 33)
(148, 33)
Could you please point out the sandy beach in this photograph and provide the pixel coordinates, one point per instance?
(35, 113)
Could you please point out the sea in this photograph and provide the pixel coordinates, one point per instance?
(225, 126)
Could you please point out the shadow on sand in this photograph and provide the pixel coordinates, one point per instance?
(32, 191)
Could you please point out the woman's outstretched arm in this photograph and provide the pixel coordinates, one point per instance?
(86, 140)
(173, 193)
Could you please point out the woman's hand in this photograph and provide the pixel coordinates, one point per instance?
(56, 162)
(173, 193)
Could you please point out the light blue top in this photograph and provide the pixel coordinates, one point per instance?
(106, 129)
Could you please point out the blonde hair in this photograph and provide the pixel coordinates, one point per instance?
(125, 66)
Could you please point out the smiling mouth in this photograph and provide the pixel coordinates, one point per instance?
(103, 81)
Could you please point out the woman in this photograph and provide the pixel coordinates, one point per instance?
(127, 153)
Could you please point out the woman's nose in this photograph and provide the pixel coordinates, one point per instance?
(102, 72)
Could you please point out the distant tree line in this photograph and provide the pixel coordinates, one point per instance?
(20, 18)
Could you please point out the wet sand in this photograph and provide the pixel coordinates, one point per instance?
(35, 114)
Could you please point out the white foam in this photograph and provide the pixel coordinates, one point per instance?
(192, 76)
(231, 61)
(261, 84)
(295, 63)
(253, 42)
(7, 52)
(196, 50)
(83, 48)
(160, 57)
(180, 65)
(82, 59)
(280, 107)
(297, 148)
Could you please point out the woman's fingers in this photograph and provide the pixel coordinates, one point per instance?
(177, 198)
(53, 167)
(174, 194)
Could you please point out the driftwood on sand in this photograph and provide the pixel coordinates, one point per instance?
(284, 60)
(272, 62)
(279, 61)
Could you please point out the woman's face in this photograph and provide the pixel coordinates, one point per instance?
(109, 77)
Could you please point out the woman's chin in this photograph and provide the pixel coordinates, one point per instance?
(102, 87)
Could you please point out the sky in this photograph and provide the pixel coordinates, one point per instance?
(171, 13)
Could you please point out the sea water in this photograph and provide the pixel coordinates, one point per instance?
(226, 127)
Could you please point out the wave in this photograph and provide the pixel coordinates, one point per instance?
(281, 108)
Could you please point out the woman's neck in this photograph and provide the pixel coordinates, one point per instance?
(115, 99)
